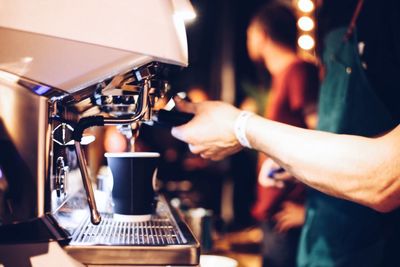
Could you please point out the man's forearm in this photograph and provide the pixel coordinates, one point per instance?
(364, 170)
(352, 167)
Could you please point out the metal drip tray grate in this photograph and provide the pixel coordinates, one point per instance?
(160, 230)
(164, 240)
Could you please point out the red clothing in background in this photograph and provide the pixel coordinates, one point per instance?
(293, 94)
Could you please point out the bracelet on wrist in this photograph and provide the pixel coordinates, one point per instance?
(240, 128)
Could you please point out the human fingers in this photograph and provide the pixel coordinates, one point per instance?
(204, 156)
(287, 205)
(296, 213)
(185, 106)
(212, 156)
(220, 154)
(284, 176)
(279, 184)
(208, 154)
(196, 149)
(179, 133)
(266, 181)
(186, 132)
(273, 164)
(284, 225)
(279, 215)
(268, 165)
(281, 220)
(216, 157)
(263, 178)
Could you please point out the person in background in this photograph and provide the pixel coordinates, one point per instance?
(271, 40)
(355, 155)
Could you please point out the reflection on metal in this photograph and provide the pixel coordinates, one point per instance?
(23, 129)
(164, 240)
(60, 178)
(159, 231)
(42, 154)
(8, 76)
(19, 67)
(87, 184)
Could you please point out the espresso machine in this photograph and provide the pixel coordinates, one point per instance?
(66, 66)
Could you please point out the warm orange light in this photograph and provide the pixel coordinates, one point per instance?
(306, 42)
(305, 23)
(305, 5)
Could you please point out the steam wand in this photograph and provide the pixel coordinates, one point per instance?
(94, 213)
(88, 122)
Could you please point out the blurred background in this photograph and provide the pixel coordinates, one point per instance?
(219, 69)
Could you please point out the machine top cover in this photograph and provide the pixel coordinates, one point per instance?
(72, 44)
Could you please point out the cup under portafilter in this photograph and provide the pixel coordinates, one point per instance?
(143, 108)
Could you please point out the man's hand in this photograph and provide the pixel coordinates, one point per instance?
(268, 169)
(291, 216)
(211, 132)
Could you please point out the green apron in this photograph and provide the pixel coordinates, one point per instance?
(338, 232)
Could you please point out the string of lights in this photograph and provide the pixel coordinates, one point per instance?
(306, 25)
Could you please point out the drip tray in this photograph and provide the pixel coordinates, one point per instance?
(156, 232)
(163, 240)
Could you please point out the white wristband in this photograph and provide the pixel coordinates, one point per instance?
(240, 128)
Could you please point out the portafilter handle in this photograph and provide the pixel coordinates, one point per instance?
(94, 213)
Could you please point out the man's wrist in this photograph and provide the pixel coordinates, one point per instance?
(240, 128)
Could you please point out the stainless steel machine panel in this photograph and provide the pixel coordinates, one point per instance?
(23, 139)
